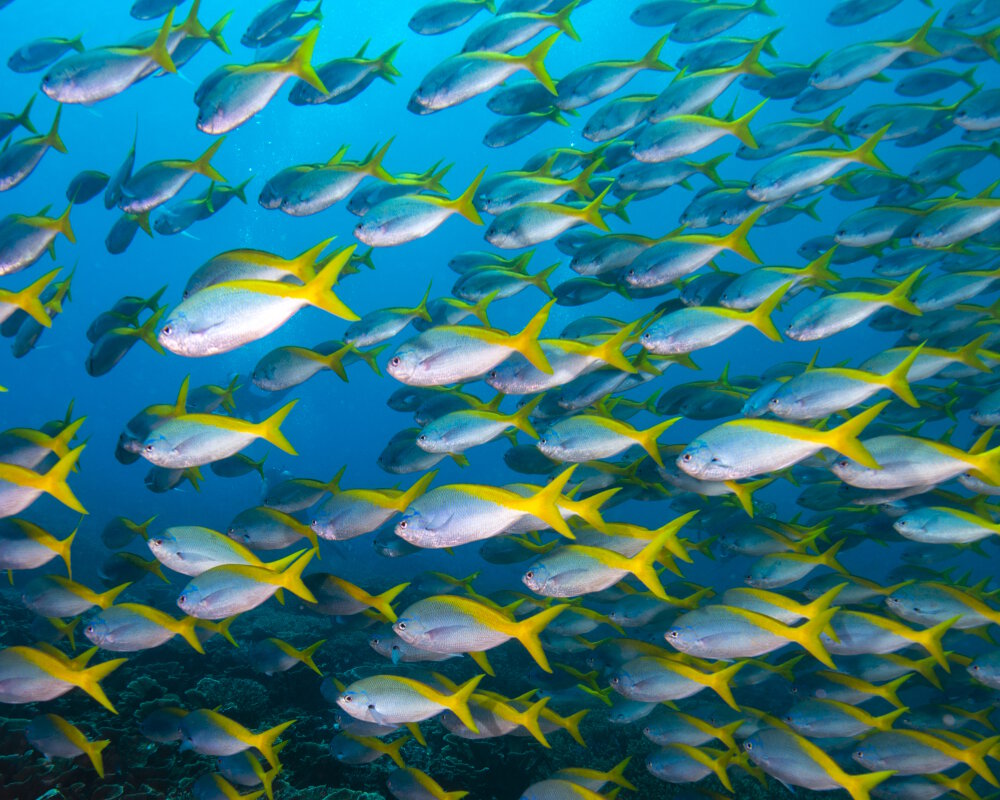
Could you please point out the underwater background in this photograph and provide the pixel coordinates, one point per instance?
(348, 424)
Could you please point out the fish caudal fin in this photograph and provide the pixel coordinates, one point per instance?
(526, 342)
(373, 166)
(306, 656)
(270, 429)
(647, 439)
(899, 296)
(844, 438)
(930, 640)
(652, 58)
(859, 786)
(300, 65)
(406, 498)
(383, 602)
(864, 153)
(61, 225)
(736, 240)
(28, 299)
(534, 62)
(53, 482)
(458, 702)
(89, 680)
(760, 317)
(544, 503)
(318, 291)
(23, 119)
(896, 379)
(291, 578)
(521, 418)
(157, 51)
(186, 630)
(93, 751)
(203, 164)
(386, 69)
(52, 138)
(527, 631)
(740, 127)
(265, 741)
(610, 350)
(464, 204)
(528, 720)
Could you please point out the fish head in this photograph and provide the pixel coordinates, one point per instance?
(850, 471)
(701, 461)
(536, 577)
(405, 362)
(683, 638)
(753, 746)
(212, 117)
(785, 406)
(502, 231)
(61, 82)
(550, 444)
(156, 448)
(663, 340)
(239, 532)
(435, 439)
(175, 332)
(356, 702)
(190, 599)
(410, 628)
(414, 525)
(97, 631)
(420, 103)
(910, 525)
(511, 375)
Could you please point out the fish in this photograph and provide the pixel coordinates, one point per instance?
(389, 699)
(10, 122)
(21, 158)
(100, 73)
(446, 15)
(211, 733)
(205, 323)
(129, 627)
(230, 589)
(157, 182)
(55, 736)
(464, 76)
(36, 674)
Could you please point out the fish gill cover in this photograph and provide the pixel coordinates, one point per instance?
(531, 399)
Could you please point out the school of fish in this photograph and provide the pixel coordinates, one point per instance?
(879, 681)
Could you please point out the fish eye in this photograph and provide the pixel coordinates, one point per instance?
(158, 542)
(167, 330)
(529, 574)
(348, 698)
(149, 448)
(422, 437)
(749, 745)
(686, 457)
(182, 599)
(395, 361)
(842, 463)
(401, 626)
(90, 629)
(672, 634)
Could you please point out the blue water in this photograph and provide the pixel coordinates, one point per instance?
(337, 423)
